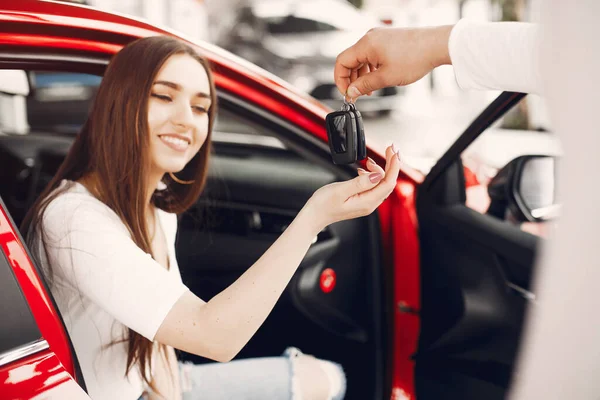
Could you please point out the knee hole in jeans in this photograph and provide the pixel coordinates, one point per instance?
(315, 379)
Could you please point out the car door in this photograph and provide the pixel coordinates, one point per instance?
(29, 366)
(262, 171)
(475, 282)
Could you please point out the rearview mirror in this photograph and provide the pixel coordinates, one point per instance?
(525, 190)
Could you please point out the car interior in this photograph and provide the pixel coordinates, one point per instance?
(262, 171)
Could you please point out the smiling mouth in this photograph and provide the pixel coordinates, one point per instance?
(176, 142)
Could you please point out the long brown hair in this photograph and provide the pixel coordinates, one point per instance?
(113, 145)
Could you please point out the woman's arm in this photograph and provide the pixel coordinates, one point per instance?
(220, 328)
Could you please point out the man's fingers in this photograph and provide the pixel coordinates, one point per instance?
(364, 70)
(368, 83)
(347, 61)
(353, 75)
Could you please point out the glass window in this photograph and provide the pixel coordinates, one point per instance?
(18, 326)
(60, 101)
(523, 131)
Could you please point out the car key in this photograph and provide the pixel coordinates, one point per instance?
(345, 132)
(361, 145)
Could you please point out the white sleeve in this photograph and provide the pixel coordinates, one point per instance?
(90, 250)
(496, 56)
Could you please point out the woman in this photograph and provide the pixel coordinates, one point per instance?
(105, 229)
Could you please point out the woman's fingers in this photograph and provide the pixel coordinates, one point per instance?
(390, 174)
(373, 167)
(359, 196)
(360, 184)
(372, 198)
(391, 151)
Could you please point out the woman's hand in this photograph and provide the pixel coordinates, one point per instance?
(357, 197)
(390, 57)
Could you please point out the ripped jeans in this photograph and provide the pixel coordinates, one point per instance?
(269, 378)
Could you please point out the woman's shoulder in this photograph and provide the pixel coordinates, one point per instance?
(75, 204)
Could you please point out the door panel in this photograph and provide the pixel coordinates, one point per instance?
(475, 281)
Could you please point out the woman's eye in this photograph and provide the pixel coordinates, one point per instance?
(161, 97)
(199, 109)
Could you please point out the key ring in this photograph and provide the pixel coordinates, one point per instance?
(348, 100)
(347, 106)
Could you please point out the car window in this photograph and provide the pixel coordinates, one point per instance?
(58, 103)
(37, 128)
(18, 327)
(524, 131)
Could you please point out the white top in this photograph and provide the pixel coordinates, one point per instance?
(103, 284)
(496, 56)
(561, 349)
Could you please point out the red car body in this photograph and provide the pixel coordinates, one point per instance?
(47, 371)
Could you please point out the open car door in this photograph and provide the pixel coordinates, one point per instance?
(475, 282)
(37, 360)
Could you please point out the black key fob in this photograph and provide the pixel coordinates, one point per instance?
(361, 144)
(342, 136)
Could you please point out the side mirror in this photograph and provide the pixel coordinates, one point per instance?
(525, 190)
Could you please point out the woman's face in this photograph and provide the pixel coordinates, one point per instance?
(178, 114)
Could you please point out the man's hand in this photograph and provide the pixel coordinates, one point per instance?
(390, 57)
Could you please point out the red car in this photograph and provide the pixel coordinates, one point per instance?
(424, 298)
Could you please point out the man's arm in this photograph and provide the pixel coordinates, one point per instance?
(496, 56)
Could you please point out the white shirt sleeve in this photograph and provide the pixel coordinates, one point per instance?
(90, 249)
(496, 56)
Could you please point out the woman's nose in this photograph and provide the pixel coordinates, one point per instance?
(183, 116)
